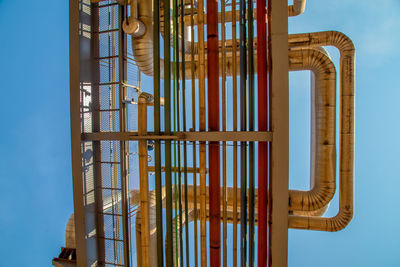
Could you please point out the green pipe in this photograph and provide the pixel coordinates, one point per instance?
(174, 75)
(124, 185)
(250, 44)
(177, 121)
(243, 127)
(157, 149)
(167, 120)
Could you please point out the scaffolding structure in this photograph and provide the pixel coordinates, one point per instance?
(180, 132)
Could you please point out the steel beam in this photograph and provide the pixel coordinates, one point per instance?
(279, 153)
(182, 136)
(74, 44)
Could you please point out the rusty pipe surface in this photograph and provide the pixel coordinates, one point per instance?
(346, 152)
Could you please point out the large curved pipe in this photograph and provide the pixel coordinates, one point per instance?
(323, 148)
(346, 154)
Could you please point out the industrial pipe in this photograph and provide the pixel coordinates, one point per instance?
(323, 172)
(142, 46)
(297, 8)
(213, 125)
(132, 25)
(144, 183)
(324, 107)
(346, 156)
(323, 134)
(243, 127)
(263, 125)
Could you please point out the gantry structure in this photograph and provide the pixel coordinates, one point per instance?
(180, 132)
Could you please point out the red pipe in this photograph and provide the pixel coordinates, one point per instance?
(213, 125)
(263, 112)
(269, 84)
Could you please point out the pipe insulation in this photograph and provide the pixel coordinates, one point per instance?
(346, 154)
(142, 47)
(298, 8)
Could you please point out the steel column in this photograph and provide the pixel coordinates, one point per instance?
(279, 150)
(79, 216)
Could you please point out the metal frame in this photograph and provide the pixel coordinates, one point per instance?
(183, 136)
(272, 137)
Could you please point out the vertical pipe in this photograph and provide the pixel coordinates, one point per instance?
(243, 127)
(213, 125)
(144, 183)
(269, 126)
(194, 128)
(250, 26)
(157, 148)
(182, 21)
(263, 111)
(167, 120)
(202, 119)
(234, 114)
(175, 84)
(122, 123)
(223, 74)
(178, 120)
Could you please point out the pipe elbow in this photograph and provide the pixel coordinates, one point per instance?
(333, 224)
(342, 219)
(313, 200)
(341, 42)
(317, 39)
(134, 27)
(297, 8)
(324, 186)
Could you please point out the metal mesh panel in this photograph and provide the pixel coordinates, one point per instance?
(108, 70)
(109, 121)
(114, 252)
(106, 20)
(109, 97)
(86, 108)
(100, 111)
(108, 43)
(88, 172)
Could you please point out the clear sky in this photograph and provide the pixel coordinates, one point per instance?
(35, 165)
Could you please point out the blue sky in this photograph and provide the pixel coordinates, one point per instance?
(35, 165)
